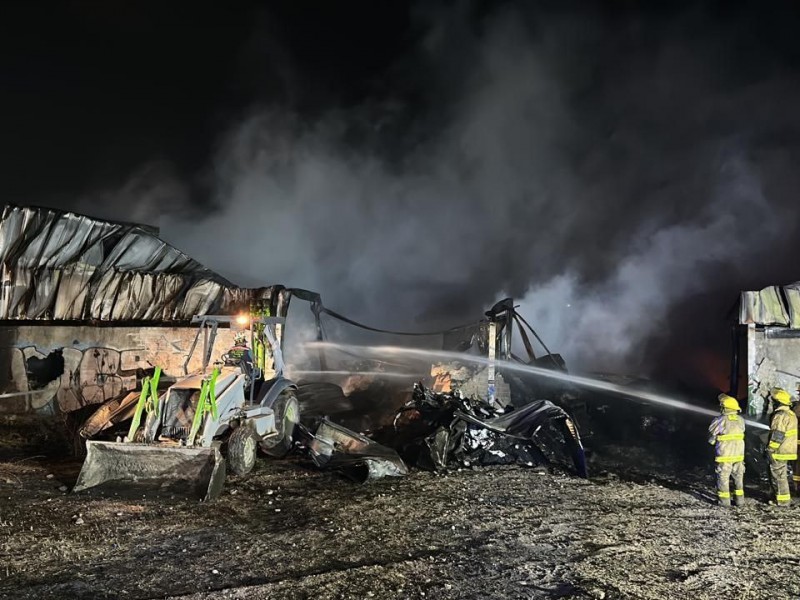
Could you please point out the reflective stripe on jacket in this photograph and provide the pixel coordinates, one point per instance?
(796, 475)
(783, 434)
(727, 432)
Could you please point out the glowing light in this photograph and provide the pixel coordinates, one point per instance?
(243, 320)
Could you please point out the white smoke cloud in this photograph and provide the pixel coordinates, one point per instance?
(301, 206)
(609, 324)
(607, 172)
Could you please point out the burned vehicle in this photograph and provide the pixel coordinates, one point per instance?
(438, 431)
(487, 415)
(233, 406)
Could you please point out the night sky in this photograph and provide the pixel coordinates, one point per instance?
(92, 90)
(623, 168)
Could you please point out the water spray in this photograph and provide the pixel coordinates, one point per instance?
(377, 374)
(579, 380)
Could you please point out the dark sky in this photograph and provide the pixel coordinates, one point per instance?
(91, 90)
(624, 168)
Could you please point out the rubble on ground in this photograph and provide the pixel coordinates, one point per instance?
(440, 430)
(503, 532)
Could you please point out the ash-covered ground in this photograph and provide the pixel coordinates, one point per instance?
(644, 526)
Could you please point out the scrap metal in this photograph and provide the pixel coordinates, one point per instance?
(439, 431)
(360, 458)
(64, 266)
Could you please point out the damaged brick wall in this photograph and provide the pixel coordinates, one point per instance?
(50, 368)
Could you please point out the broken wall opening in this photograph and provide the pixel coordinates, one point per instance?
(773, 360)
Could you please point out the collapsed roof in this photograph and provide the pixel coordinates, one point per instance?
(63, 266)
(774, 305)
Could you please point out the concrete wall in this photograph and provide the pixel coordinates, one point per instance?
(99, 362)
(773, 360)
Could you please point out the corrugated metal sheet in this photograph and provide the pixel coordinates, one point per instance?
(65, 266)
(765, 307)
(792, 294)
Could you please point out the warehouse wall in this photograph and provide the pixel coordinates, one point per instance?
(98, 362)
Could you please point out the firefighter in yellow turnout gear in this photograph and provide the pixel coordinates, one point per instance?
(796, 473)
(726, 434)
(782, 446)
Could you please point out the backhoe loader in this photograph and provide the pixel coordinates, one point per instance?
(222, 413)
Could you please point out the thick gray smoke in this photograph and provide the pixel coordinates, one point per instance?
(151, 193)
(605, 171)
(607, 323)
(455, 220)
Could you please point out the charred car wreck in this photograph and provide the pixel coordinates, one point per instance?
(473, 416)
(439, 431)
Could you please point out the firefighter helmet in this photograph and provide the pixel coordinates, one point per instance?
(781, 396)
(728, 402)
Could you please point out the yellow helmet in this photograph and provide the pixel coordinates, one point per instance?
(728, 402)
(781, 396)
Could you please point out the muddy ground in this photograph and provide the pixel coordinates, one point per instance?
(288, 531)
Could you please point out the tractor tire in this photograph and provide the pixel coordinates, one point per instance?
(242, 451)
(287, 415)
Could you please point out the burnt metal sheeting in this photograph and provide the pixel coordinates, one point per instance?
(68, 267)
(767, 307)
(356, 456)
(792, 294)
(442, 431)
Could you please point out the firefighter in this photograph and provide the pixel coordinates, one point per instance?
(782, 446)
(796, 471)
(239, 351)
(726, 433)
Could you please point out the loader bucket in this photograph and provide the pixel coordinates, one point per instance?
(199, 471)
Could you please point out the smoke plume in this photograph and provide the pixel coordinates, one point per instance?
(609, 169)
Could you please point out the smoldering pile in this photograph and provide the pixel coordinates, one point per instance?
(438, 431)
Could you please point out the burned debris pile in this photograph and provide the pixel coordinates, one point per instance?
(438, 431)
(332, 446)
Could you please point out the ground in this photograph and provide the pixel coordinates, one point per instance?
(288, 531)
